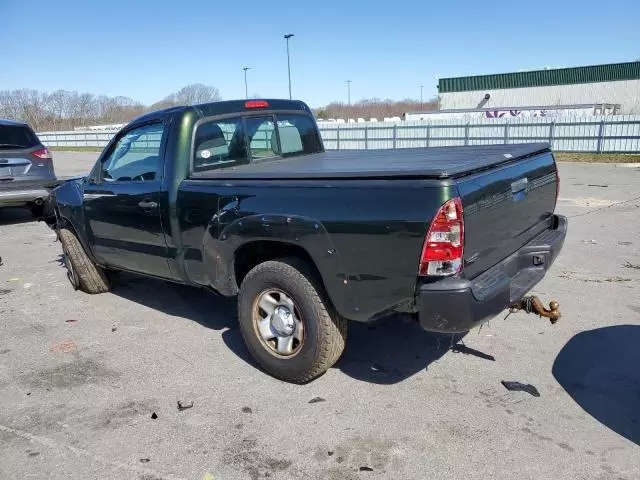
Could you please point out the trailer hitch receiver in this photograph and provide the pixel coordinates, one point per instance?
(533, 304)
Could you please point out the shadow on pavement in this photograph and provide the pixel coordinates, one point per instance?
(208, 309)
(600, 370)
(391, 350)
(15, 216)
(385, 352)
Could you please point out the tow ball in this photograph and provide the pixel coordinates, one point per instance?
(533, 304)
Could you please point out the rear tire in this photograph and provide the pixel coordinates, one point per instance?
(82, 272)
(323, 331)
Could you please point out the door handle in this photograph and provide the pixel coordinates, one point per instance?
(146, 204)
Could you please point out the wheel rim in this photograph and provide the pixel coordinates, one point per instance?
(278, 323)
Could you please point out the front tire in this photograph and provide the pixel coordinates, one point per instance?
(82, 272)
(289, 326)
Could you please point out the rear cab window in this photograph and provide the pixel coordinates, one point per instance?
(251, 139)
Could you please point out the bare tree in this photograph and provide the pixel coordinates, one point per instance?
(9, 105)
(65, 110)
(29, 105)
(58, 107)
(189, 95)
(86, 106)
(374, 108)
(197, 93)
(168, 101)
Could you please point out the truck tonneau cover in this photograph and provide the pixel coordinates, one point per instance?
(433, 162)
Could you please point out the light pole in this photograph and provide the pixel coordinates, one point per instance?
(246, 90)
(287, 37)
(349, 92)
(421, 102)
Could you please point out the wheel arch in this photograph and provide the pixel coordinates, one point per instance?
(255, 252)
(68, 207)
(251, 240)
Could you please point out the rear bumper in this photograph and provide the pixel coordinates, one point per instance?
(20, 197)
(458, 305)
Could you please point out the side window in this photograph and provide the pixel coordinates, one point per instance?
(220, 144)
(298, 135)
(136, 156)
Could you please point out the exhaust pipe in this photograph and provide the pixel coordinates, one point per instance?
(38, 201)
(533, 304)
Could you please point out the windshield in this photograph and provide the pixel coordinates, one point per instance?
(245, 140)
(17, 136)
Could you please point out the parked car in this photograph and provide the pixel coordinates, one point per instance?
(240, 197)
(26, 168)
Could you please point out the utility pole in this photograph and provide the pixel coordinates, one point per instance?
(287, 37)
(246, 90)
(421, 102)
(349, 92)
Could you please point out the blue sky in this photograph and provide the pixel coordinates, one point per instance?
(146, 50)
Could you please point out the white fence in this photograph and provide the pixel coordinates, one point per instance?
(620, 134)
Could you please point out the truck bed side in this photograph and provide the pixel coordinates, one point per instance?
(364, 236)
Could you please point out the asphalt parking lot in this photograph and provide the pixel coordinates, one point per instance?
(81, 376)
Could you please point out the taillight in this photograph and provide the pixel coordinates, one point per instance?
(43, 154)
(444, 245)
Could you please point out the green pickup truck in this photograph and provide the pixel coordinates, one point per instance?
(240, 198)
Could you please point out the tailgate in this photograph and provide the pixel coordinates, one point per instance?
(504, 208)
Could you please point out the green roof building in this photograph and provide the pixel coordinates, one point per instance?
(616, 83)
